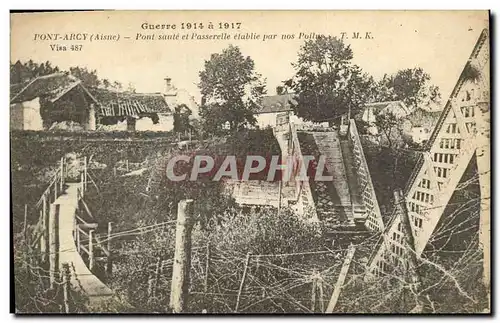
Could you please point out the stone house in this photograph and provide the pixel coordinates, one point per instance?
(49, 99)
(276, 110)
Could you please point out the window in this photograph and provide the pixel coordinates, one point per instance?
(418, 222)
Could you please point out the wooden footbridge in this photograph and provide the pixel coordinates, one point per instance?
(62, 237)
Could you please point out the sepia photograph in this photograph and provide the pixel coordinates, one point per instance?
(250, 162)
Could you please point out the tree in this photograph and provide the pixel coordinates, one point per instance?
(409, 85)
(131, 88)
(181, 118)
(388, 124)
(230, 88)
(89, 78)
(326, 82)
(106, 83)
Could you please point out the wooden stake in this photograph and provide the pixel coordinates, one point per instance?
(126, 164)
(82, 188)
(207, 268)
(109, 263)
(156, 280)
(62, 174)
(85, 173)
(46, 229)
(66, 286)
(91, 250)
(242, 284)
(313, 294)
(54, 243)
(182, 258)
(321, 299)
(78, 248)
(341, 279)
(55, 191)
(25, 224)
(279, 195)
(150, 287)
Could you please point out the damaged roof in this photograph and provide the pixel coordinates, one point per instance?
(113, 103)
(276, 103)
(50, 87)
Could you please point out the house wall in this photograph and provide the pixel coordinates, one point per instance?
(419, 134)
(166, 123)
(271, 119)
(26, 115)
(16, 116)
(266, 119)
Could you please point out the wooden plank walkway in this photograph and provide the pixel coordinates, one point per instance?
(81, 278)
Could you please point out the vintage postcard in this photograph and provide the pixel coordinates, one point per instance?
(250, 162)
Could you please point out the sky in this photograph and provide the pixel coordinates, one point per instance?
(438, 41)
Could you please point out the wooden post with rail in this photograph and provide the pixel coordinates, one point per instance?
(182, 257)
(85, 173)
(45, 229)
(91, 250)
(61, 171)
(66, 286)
(54, 244)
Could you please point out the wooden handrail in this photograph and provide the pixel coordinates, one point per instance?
(82, 231)
(53, 180)
(80, 219)
(104, 249)
(82, 247)
(86, 208)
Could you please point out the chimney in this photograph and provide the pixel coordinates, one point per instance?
(168, 84)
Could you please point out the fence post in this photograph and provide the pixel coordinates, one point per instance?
(66, 285)
(85, 173)
(182, 257)
(207, 268)
(62, 174)
(156, 279)
(150, 287)
(25, 224)
(242, 284)
(54, 243)
(91, 249)
(78, 238)
(109, 263)
(313, 294)
(55, 190)
(341, 279)
(321, 296)
(46, 229)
